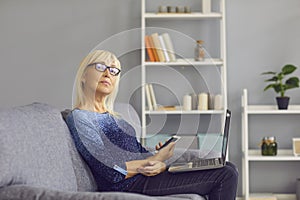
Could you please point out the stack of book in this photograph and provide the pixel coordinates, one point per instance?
(151, 100)
(159, 48)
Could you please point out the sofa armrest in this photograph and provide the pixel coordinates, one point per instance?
(23, 192)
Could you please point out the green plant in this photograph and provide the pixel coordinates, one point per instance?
(279, 86)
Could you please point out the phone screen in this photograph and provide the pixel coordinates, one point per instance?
(172, 139)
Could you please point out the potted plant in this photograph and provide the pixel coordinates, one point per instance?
(280, 86)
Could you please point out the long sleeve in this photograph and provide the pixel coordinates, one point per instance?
(104, 142)
(91, 147)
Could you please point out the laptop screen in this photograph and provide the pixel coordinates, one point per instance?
(213, 143)
(226, 133)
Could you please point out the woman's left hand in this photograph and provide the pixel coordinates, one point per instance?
(152, 168)
(164, 153)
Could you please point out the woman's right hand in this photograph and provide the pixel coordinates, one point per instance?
(152, 168)
(152, 165)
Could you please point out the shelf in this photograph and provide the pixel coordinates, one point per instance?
(207, 67)
(160, 112)
(281, 196)
(272, 109)
(282, 155)
(188, 62)
(194, 15)
(254, 155)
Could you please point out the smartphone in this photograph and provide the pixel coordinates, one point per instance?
(174, 138)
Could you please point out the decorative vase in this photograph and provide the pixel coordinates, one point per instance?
(282, 102)
(269, 146)
(206, 6)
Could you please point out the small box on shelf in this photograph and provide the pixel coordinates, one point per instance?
(296, 146)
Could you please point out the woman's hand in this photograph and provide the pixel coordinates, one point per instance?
(157, 147)
(152, 168)
(153, 165)
(164, 153)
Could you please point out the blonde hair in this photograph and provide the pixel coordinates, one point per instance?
(96, 56)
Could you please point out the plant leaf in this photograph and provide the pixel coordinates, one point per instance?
(274, 86)
(268, 86)
(292, 82)
(277, 88)
(264, 73)
(288, 69)
(274, 78)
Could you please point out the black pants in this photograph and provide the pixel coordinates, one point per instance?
(217, 184)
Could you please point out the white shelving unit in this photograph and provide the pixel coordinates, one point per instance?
(254, 155)
(146, 16)
(188, 62)
(194, 15)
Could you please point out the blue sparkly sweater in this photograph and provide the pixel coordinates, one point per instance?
(104, 141)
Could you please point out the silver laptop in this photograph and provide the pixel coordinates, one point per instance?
(206, 163)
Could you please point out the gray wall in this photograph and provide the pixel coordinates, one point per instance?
(263, 36)
(42, 43)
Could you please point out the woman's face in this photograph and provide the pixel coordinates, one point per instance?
(97, 82)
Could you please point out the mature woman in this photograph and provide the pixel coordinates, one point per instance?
(109, 146)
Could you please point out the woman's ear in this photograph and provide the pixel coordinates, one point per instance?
(83, 81)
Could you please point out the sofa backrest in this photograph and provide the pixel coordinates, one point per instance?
(35, 148)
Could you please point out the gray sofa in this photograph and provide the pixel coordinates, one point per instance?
(38, 160)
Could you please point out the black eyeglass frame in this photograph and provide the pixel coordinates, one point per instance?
(106, 67)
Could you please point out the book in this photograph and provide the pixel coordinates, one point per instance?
(153, 49)
(163, 47)
(153, 98)
(169, 46)
(167, 108)
(158, 48)
(149, 48)
(149, 101)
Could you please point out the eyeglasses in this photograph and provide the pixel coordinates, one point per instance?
(102, 67)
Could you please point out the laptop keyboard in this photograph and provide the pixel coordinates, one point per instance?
(206, 162)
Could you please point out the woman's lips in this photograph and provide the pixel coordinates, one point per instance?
(105, 82)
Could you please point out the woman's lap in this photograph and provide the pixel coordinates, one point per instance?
(216, 183)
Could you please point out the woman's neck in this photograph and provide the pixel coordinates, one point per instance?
(95, 106)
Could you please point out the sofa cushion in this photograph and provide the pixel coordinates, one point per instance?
(21, 192)
(34, 148)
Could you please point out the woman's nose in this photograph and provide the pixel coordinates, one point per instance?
(106, 72)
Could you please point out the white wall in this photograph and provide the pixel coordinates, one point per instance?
(42, 43)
